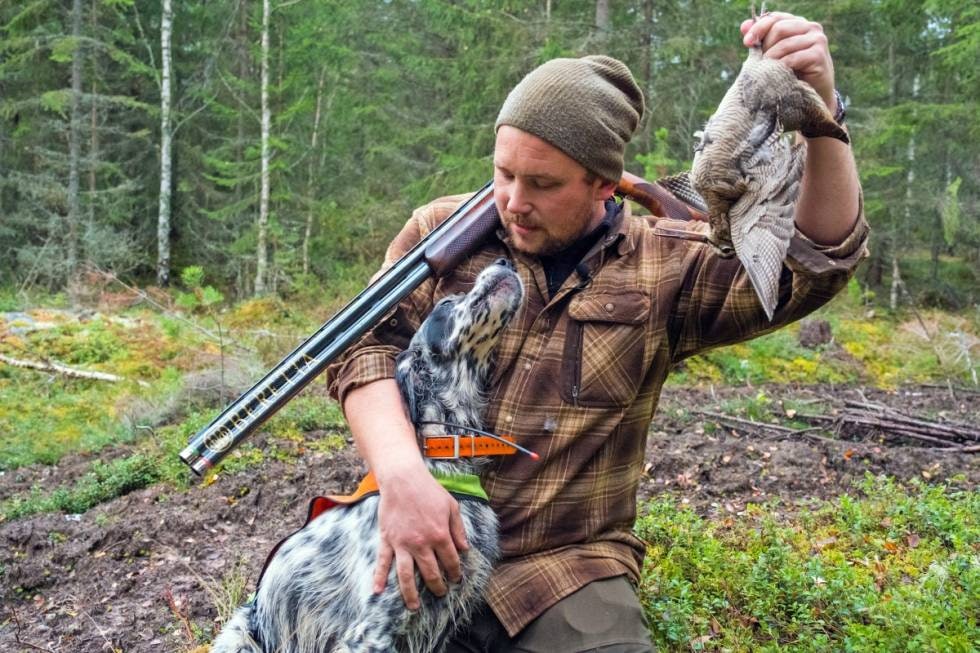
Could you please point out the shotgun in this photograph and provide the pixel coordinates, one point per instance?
(436, 254)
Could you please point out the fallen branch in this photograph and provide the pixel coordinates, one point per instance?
(781, 431)
(886, 413)
(950, 436)
(944, 435)
(739, 420)
(64, 370)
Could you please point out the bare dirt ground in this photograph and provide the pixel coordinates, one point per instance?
(145, 571)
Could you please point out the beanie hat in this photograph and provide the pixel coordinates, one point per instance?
(588, 108)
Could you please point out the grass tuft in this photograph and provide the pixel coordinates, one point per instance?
(104, 481)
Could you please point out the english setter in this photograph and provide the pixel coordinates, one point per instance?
(315, 593)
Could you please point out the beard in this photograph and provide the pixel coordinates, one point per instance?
(543, 241)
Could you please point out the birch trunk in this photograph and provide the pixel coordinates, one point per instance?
(74, 147)
(308, 231)
(166, 167)
(907, 211)
(262, 247)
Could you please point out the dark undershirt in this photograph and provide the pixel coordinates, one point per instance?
(557, 267)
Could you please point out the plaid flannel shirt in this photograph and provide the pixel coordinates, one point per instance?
(578, 377)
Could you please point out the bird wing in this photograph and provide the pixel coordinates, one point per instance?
(762, 219)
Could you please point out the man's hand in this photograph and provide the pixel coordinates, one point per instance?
(420, 526)
(419, 521)
(798, 43)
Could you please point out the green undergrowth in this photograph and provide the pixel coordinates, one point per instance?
(307, 424)
(889, 568)
(103, 481)
(869, 347)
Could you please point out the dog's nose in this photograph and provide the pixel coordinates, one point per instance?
(504, 262)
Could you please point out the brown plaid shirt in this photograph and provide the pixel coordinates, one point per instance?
(578, 378)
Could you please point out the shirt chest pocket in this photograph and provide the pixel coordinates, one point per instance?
(602, 363)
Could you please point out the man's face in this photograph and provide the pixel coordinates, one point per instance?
(544, 197)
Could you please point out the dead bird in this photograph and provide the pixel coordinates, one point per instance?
(749, 174)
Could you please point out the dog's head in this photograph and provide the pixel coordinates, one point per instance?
(452, 350)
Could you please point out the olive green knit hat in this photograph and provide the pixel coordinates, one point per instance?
(588, 108)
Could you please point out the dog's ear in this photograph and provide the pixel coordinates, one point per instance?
(407, 378)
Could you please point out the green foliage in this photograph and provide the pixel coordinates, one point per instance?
(882, 350)
(308, 413)
(658, 162)
(379, 107)
(103, 482)
(56, 101)
(200, 296)
(63, 50)
(892, 568)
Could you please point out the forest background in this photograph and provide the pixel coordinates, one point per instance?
(190, 188)
(281, 144)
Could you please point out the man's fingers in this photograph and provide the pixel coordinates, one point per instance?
(405, 570)
(458, 530)
(783, 29)
(431, 574)
(758, 29)
(797, 43)
(803, 61)
(448, 552)
(385, 555)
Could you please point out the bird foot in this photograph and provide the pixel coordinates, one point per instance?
(724, 250)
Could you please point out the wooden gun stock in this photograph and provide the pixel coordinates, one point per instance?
(656, 199)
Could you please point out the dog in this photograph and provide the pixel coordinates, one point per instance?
(315, 593)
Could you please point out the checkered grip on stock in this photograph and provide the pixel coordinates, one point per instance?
(680, 186)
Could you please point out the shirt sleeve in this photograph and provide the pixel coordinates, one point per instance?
(717, 305)
(372, 358)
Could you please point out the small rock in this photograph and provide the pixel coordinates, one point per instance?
(814, 333)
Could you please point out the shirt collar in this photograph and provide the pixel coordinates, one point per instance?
(613, 224)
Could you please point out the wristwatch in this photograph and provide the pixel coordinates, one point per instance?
(841, 114)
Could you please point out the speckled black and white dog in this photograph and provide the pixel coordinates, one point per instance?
(315, 594)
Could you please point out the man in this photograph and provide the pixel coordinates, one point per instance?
(611, 305)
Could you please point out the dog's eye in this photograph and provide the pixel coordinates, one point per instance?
(438, 327)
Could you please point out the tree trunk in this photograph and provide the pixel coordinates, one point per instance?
(602, 21)
(896, 282)
(262, 247)
(93, 148)
(74, 156)
(308, 231)
(907, 210)
(163, 218)
(648, 67)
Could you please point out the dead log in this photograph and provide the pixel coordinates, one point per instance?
(891, 423)
(64, 370)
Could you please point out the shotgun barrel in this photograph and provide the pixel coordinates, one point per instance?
(436, 254)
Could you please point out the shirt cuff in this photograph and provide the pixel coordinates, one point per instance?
(366, 366)
(804, 255)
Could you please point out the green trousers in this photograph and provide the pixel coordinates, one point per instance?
(604, 616)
